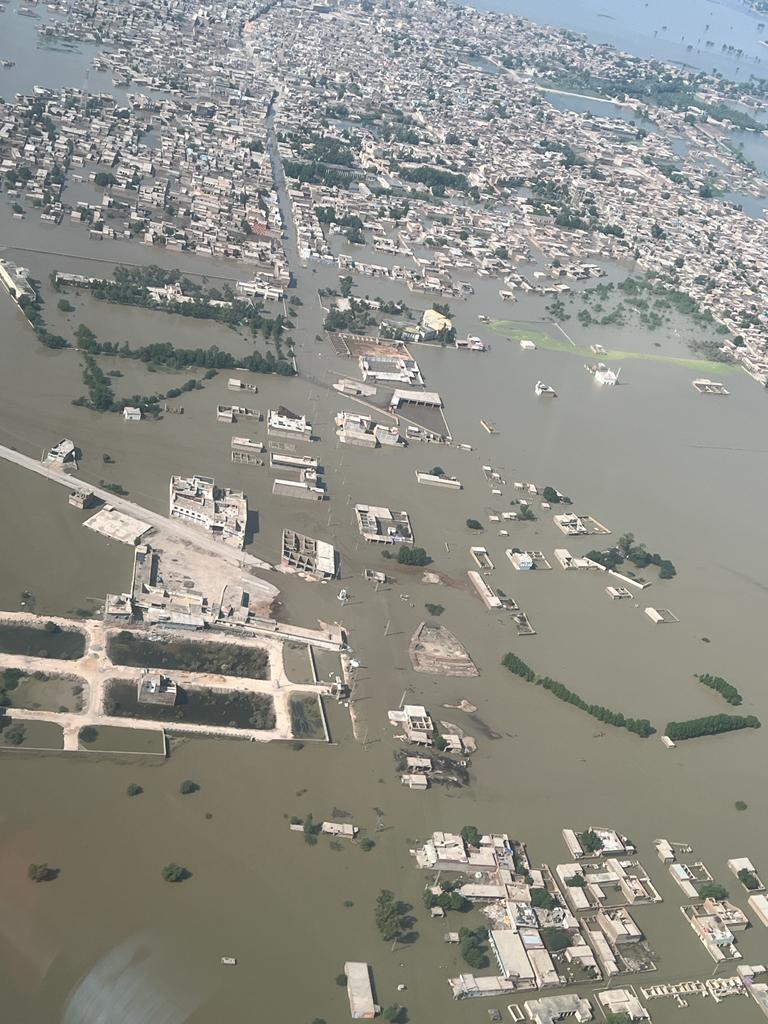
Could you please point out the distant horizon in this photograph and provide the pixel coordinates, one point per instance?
(630, 25)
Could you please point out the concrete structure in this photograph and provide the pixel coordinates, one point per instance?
(221, 512)
(82, 498)
(62, 452)
(298, 489)
(623, 1001)
(550, 1009)
(486, 594)
(155, 688)
(512, 958)
(315, 558)
(360, 991)
(416, 722)
(117, 525)
(283, 422)
(379, 525)
(449, 482)
(759, 904)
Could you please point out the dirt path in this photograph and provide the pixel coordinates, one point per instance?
(96, 669)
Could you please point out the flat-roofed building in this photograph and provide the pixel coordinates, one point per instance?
(219, 511)
(360, 991)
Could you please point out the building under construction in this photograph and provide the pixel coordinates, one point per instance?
(315, 558)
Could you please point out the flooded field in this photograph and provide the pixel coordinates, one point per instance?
(50, 641)
(42, 692)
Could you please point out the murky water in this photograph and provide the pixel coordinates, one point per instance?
(110, 940)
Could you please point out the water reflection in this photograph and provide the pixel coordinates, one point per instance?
(142, 981)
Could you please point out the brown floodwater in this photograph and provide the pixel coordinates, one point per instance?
(109, 940)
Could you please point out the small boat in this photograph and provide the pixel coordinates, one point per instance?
(542, 389)
(229, 961)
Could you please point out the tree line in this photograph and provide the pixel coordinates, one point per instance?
(640, 726)
(728, 692)
(710, 725)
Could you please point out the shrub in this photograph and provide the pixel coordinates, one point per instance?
(40, 873)
(175, 873)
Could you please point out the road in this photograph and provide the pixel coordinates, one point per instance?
(189, 535)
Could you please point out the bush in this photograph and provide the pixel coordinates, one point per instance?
(134, 789)
(65, 306)
(188, 786)
(15, 735)
(434, 609)
(40, 873)
(88, 734)
(175, 873)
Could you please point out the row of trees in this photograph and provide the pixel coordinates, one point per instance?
(710, 725)
(639, 726)
(728, 692)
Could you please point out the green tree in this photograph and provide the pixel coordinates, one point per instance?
(15, 735)
(188, 786)
(366, 845)
(88, 734)
(590, 841)
(175, 873)
(713, 891)
(542, 899)
(550, 494)
(134, 789)
(474, 524)
(65, 306)
(40, 873)
(389, 920)
(555, 939)
(471, 835)
(408, 555)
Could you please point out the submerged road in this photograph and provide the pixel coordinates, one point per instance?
(241, 559)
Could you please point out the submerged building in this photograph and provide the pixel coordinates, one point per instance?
(219, 511)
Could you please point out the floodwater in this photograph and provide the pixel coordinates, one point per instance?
(658, 29)
(109, 940)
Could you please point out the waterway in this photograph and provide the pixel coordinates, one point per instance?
(110, 940)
